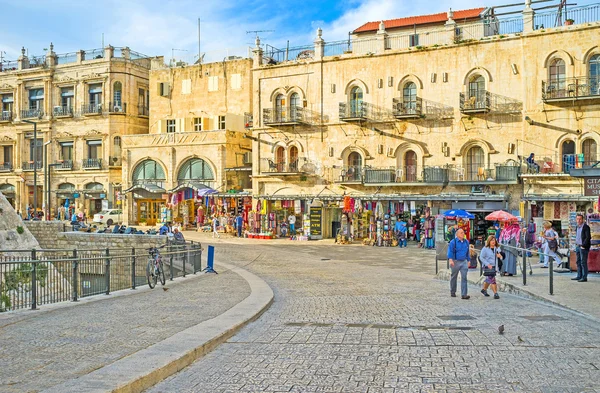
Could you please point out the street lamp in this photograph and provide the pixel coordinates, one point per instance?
(46, 185)
(35, 146)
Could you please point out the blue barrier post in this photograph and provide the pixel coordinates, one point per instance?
(211, 261)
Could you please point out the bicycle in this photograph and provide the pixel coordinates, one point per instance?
(154, 269)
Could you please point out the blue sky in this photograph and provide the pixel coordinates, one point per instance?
(155, 27)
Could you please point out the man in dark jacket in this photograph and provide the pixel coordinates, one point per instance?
(583, 241)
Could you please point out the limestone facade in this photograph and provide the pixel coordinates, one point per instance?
(83, 104)
(444, 123)
(196, 140)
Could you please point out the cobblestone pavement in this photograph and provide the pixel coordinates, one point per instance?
(367, 319)
(40, 349)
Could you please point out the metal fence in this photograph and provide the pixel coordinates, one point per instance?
(29, 279)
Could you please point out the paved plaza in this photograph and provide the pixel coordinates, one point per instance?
(344, 319)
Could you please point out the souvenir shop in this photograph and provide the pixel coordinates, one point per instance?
(558, 210)
(270, 217)
(478, 228)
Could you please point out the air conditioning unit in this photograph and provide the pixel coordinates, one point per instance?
(248, 157)
(117, 109)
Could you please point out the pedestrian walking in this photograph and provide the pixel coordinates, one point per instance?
(215, 225)
(550, 244)
(239, 224)
(458, 255)
(292, 222)
(401, 232)
(583, 241)
(489, 254)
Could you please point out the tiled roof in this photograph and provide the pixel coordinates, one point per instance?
(420, 20)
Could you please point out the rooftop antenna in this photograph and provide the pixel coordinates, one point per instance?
(173, 54)
(200, 57)
(102, 40)
(259, 31)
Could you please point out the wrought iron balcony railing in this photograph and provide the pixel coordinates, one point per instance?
(64, 165)
(484, 174)
(348, 174)
(62, 111)
(92, 109)
(475, 102)
(31, 113)
(571, 88)
(6, 167)
(298, 166)
(407, 110)
(6, 116)
(282, 116)
(362, 111)
(91, 163)
(435, 174)
(405, 174)
(29, 165)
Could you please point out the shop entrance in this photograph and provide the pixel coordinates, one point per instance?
(148, 211)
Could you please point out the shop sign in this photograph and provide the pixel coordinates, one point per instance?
(316, 216)
(102, 196)
(592, 186)
(76, 195)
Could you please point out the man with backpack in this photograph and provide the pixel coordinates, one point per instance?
(458, 255)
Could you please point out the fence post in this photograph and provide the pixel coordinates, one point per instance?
(107, 271)
(133, 268)
(524, 269)
(184, 258)
(189, 257)
(33, 280)
(170, 248)
(551, 275)
(74, 281)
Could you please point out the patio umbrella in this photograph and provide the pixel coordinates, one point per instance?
(500, 215)
(458, 214)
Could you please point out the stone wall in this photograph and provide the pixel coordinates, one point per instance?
(46, 232)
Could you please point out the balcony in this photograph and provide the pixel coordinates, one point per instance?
(569, 89)
(248, 120)
(64, 165)
(91, 163)
(300, 166)
(62, 111)
(282, 117)
(348, 175)
(114, 161)
(31, 113)
(435, 175)
(91, 109)
(480, 102)
(499, 174)
(391, 175)
(117, 108)
(6, 116)
(6, 167)
(353, 113)
(30, 165)
(143, 110)
(407, 110)
(553, 166)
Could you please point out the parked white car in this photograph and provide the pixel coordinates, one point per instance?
(109, 217)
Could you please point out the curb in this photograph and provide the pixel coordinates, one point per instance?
(145, 368)
(503, 286)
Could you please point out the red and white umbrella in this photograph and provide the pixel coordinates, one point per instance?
(500, 215)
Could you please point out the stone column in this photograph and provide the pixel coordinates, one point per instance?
(382, 36)
(109, 52)
(258, 54)
(450, 27)
(23, 61)
(528, 15)
(126, 53)
(319, 45)
(51, 58)
(80, 56)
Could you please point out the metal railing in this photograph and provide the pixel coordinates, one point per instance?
(293, 53)
(410, 109)
(93, 54)
(62, 111)
(269, 166)
(91, 163)
(29, 165)
(91, 109)
(292, 115)
(435, 174)
(66, 58)
(570, 88)
(6, 167)
(6, 116)
(478, 101)
(143, 110)
(570, 16)
(64, 165)
(11, 65)
(336, 48)
(348, 174)
(392, 174)
(37, 61)
(31, 113)
(29, 279)
(117, 107)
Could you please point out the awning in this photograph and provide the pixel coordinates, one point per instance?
(389, 197)
(153, 188)
(194, 185)
(559, 198)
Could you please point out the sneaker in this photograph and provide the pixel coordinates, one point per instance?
(496, 296)
(485, 293)
(453, 294)
(466, 297)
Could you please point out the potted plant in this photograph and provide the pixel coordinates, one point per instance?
(569, 22)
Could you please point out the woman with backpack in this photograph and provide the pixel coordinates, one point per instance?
(550, 244)
(489, 254)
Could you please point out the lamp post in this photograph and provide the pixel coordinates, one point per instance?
(46, 185)
(35, 146)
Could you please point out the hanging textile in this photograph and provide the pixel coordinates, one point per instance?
(548, 211)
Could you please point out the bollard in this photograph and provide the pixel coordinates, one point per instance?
(524, 270)
(33, 280)
(184, 258)
(107, 272)
(170, 261)
(551, 275)
(436, 265)
(75, 268)
(133, 268)
(210, 262)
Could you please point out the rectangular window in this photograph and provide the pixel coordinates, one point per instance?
(414, 40)
(36, 99)
(94, 149)
(236, 81)
(197, 124)
(36, 154)
(221, 122)
(186, 86)
(95, 94)
(8, 157)
(66, 151)
(213, 83)
(66, 97)
(7, 104)
(171, 125)
(164, 89)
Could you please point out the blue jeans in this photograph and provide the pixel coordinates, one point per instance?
(582, 262)
(239, 230)
(429, 243)
(402, 243)
(417, 235)
(292, 229)
(463, 268)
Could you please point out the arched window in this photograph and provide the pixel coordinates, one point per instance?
(568, 155)
(409, 98)
(475, 163)
(148, 171)
(354, 169)
(477, 92)
(356, 102)
(117, 93)
(279, 159)
(293, 159)
(590, 151)
(557, 79)
(94, 187)
(66, 186)
(280, 108)
(195, 169)
(294, 105)
(594, 75)
(410, 166)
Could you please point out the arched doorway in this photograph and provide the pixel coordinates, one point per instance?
(590, 151)
(356, 102)
(557, 79)
(280, 111)
(294, 106)
(148, 188)
(569, 159)
(65, 197)
(410, 166)
(117, 97)
(194, 177)
(280, 159)
(594, 75)
(94, 194)
(409, 98)
(477, 99)
(293, 159)
(354, 168)
(475, 164)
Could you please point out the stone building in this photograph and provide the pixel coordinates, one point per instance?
(83, 103)
(196, 142)
(441, 120)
